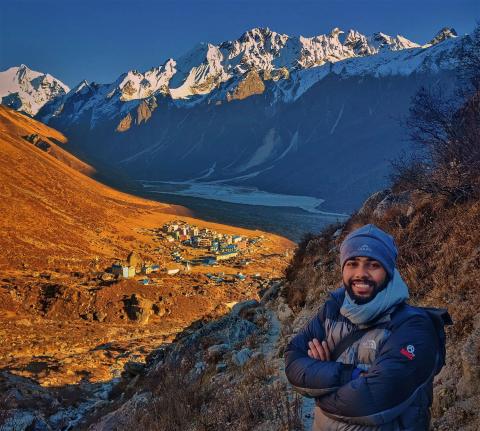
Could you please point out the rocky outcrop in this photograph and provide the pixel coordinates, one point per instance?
(138, 309)
(251, 84)
(125, 123)
(38, 142)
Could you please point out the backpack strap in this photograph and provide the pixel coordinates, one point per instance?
(354, 336)
(347, 341)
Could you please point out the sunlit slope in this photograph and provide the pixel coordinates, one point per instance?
(52, 212)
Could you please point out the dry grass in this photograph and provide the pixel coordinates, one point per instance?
(253, 397)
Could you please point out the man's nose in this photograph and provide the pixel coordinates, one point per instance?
(361, 271)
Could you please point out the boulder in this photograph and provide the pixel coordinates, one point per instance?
(372, 201)
(241, 357)
(401, 200)
(138, 308)
(245, 305)
(134, 259)
(216, 352)
(284, 312)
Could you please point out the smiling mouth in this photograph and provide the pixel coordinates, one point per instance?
(362, 288)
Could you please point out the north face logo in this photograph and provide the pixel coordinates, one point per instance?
(364, 247)
(370, 344)
(408, 352)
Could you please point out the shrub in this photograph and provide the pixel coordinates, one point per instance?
(446, 136)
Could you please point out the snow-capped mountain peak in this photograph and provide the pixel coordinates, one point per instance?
(81, 87)
(444, 34)
(381, 41)
(27, 90)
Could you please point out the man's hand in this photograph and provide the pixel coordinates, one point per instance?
(318, 350)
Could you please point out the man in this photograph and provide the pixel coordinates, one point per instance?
(367, 357)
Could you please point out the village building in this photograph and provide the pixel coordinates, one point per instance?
(123, 270)
(228, 248)
(215, 247)
(134, 259)
(172, 271)
(128, 271)
(226, 256)
(146, 269)
(204, 242)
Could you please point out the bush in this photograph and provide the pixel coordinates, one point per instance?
(446, 137)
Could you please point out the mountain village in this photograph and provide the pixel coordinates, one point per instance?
(190, 246)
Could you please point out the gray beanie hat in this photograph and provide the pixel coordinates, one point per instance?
(370, 241)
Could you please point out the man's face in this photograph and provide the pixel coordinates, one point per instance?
(363, 278)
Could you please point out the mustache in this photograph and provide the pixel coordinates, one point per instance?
(361, 280)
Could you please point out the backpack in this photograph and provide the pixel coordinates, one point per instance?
(440, 318)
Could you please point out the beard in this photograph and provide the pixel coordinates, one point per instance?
(360, 300)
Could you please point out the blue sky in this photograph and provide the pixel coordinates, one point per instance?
(99, 40)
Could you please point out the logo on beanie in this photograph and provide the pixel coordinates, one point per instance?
(364, 247)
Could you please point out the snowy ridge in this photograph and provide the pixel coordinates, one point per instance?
(444, 56)
(212, 73)
(26, 90)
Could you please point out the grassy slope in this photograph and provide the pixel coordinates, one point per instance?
(53, 213)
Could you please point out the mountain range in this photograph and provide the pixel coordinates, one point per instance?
(316, 116)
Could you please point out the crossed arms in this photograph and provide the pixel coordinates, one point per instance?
(373, 398)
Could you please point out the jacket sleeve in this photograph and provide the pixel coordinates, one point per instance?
(311, 377)
(405, 365)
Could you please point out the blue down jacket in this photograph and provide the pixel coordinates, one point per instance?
(401, 354)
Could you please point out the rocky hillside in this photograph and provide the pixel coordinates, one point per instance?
(68, 324)
(230, 371)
